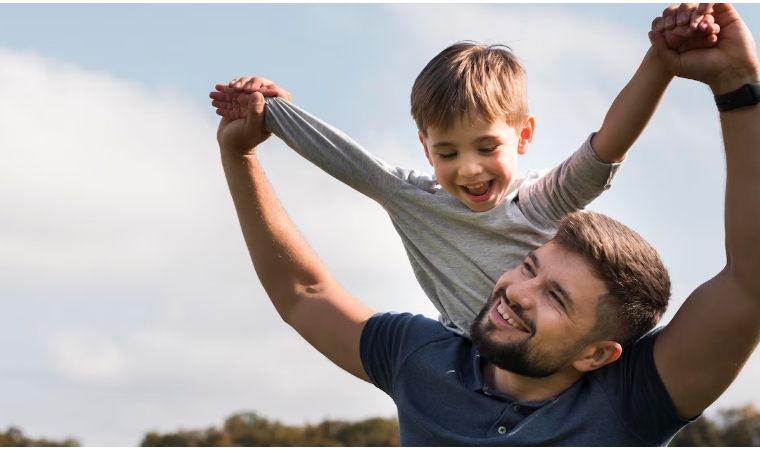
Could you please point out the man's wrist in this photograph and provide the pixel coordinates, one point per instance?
(734, 81)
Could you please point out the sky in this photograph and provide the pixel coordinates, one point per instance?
(129, 302)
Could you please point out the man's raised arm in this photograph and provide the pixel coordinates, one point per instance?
(301, 288)
(716, 330)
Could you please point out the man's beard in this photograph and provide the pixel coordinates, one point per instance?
(516, 357)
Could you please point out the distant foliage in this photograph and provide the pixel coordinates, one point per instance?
(15, 438)
(251, 430)
(735, 427)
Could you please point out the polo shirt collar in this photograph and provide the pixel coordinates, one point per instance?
(471, 376)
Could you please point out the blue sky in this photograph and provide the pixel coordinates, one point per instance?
(129, 300)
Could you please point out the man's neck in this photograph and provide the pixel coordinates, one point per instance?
(526, 389)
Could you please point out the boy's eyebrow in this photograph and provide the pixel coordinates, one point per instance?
(556, 286)
(485, 138)
(476, 141)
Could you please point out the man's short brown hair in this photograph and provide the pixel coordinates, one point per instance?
(638, 282)
(467, 77)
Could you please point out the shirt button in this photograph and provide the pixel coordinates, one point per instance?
(516, 407)
(502, 429)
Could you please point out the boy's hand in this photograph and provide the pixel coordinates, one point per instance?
(685, 27)
(231, 100)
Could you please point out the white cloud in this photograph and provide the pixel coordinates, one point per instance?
(86, 357)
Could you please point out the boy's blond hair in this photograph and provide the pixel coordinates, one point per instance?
(485, 81)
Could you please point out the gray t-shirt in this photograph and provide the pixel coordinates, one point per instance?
(457, 254)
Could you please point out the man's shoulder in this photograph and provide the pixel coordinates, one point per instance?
(413, 330)
(389, 339)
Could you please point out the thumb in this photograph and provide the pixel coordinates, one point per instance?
(255, 120)
(661, 49)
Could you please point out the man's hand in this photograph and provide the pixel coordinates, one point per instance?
(725, 66)
(241, 105)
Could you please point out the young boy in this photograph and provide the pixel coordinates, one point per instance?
(474, 220)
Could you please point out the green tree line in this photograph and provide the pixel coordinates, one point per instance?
(735, 427)
(251, 430)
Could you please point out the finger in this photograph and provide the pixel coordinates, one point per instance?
(274, 91)
(696, 20)
(658, 24)
(710, 40)
(669, 16)
(237, 83)
(705, 8)
(684, 13)
(709, 26)
(661, 49)
(221, 104)
(256, 83)
(255, 120)
(225, 113)
(221, 96)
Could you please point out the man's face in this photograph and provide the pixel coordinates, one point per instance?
(540, 314)
(474, 160)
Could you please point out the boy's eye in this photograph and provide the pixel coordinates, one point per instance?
(447, 155)
(488, 149)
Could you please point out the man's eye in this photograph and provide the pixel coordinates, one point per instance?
(555, 297)
(527, 268)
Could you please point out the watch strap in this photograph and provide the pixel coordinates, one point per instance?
(747, 95)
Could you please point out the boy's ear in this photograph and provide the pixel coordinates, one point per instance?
(597, 355)
(526, 135)
(424, 145)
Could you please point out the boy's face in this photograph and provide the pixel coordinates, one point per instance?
(475, 161)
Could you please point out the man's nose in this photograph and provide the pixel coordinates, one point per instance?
(522, 294)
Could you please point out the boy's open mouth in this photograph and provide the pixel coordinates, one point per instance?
(478, 192)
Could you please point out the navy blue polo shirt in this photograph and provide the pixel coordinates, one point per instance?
(434, 377)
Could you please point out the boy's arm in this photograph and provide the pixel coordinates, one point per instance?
(581, 178)
(631, 111)
(701, 351)
(300, 287)
(635, 105)
(320, 143)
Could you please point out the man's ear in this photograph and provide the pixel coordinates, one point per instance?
(526, 135)
(597, 355)
(424, 145)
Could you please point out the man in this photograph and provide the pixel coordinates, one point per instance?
(549, 364)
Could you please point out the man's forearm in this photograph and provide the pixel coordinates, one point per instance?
(631, 111)
(284, 261)
(741, 136)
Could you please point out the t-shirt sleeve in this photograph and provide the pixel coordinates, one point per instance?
(638, 394)
(388, 339)
(567, 188)
(336, 153)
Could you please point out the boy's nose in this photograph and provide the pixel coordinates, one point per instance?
(470, 169)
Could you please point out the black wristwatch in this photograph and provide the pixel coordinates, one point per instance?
(747, 95)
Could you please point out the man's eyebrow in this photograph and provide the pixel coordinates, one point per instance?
(532, 256)
(556, 286)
